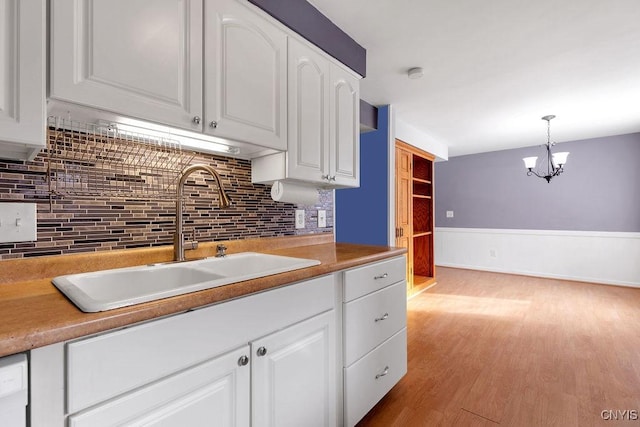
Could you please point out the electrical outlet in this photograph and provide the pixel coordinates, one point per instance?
(322, 218)
(17, 222)
(492, 253)
(449, 214)
(299, 218)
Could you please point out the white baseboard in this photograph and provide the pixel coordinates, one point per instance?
(611, 258)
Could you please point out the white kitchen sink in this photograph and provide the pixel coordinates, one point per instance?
(109, 289)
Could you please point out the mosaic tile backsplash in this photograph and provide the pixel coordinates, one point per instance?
(71, 225)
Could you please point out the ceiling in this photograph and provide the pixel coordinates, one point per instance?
(493, 68)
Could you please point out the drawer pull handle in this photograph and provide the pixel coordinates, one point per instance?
(382, 276)
(384, 317)
(385, 372)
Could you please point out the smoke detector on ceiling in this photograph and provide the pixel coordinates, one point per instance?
(415, 73)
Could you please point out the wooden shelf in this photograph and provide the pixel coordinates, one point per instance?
(414, 212)
(424, 181)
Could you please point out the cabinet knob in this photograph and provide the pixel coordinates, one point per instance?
(261, 351)
(196, 120)
(383, 373)
(382, 276)
(332, 178)
(243, 361)
(326, 177)
(213, 124)
(384, 317)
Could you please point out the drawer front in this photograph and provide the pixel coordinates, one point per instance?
(371, 377)
(110, 364)
(371, 319)
(364, 280)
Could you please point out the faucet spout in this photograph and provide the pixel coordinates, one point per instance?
(224, 201)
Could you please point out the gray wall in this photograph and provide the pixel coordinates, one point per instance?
(599, 190)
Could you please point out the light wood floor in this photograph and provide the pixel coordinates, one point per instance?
(488, 349)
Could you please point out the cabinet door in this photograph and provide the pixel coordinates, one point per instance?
(215, 392)
(344, 162)
(138, 58)
(246, 76)
(308, 153)
(294, 375)
(22, 85)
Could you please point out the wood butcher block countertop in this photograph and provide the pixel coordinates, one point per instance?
(33, 313)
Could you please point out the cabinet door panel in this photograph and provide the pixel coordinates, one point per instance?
(145, 63)
(215, 392)
(294, 383)
(246, 59)
(22, 88)
(308, 113)
(345, 131)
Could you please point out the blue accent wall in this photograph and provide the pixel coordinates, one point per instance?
(362, 214)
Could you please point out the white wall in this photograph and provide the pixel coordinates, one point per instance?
(598, 257)
(417, 138)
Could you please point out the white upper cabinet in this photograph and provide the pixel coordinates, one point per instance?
(138, 58)
(218, 68)
(22, 78)
(344, 145)
(324, 125)
(245, 76)
(308, 113)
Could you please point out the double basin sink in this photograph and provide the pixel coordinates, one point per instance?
(109, 289)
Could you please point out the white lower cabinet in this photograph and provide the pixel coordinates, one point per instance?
(215, 392)
(264, 360)
(272, 359)
(293, 375)
(374, 334)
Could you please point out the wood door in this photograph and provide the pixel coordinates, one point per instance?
(294, 375)
(246, 75)
(138, 58)
(404, 208)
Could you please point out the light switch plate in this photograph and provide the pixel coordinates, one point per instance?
(449, 214)
(17, 222)
(322, 218)
(299, 218)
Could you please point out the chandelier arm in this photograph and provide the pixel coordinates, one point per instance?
(532, 172)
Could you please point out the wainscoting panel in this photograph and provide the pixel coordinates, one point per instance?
(598, 257)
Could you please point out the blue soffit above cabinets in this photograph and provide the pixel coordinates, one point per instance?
(310, 23)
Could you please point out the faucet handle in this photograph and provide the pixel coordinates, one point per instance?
(221, 251)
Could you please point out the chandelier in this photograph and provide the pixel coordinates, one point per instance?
(555, 161)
